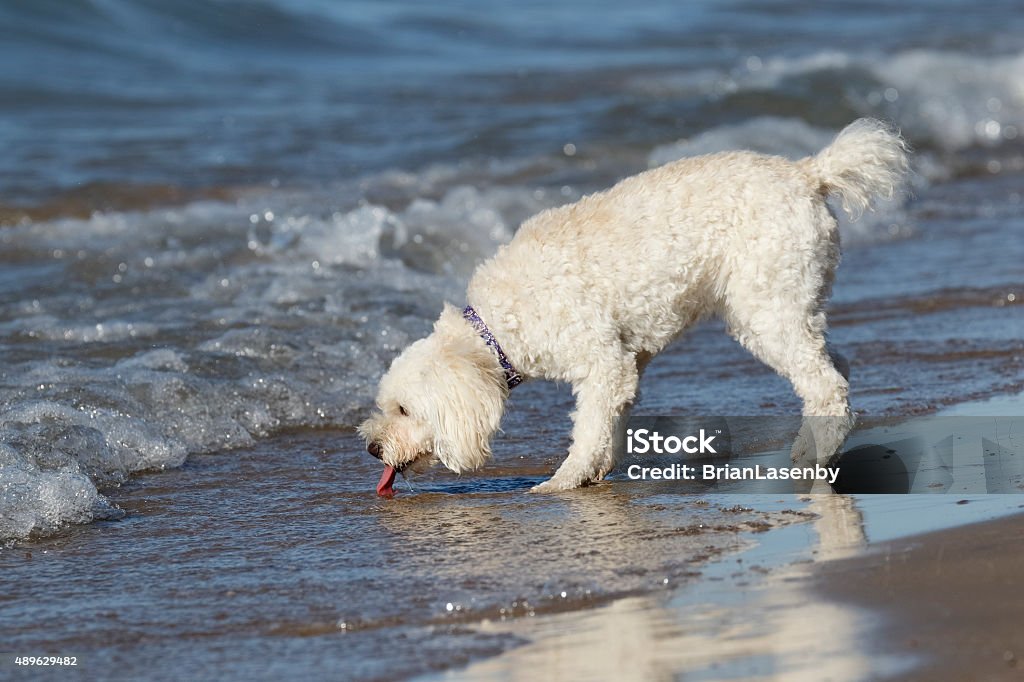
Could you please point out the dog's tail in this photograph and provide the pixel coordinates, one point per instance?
(867, 160)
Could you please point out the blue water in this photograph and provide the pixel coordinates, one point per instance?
(220, 221)
(228, 92)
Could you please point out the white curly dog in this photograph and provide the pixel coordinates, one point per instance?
(588, 293)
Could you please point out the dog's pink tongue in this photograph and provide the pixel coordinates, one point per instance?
(387, 479)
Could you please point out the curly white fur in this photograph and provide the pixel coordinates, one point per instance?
(588, 293)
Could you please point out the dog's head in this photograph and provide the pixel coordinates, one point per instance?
(441, 400)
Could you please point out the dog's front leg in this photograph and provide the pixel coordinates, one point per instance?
(601, 398)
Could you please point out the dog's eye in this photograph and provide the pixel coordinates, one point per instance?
(401, 409)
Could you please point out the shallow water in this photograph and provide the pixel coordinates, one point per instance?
(265, 557)
(219, 223)
(280, 560)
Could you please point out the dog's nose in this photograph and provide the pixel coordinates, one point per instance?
(374, 449)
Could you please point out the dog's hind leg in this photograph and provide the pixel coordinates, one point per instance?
(795, 347)
(827, 419)
(603, 400)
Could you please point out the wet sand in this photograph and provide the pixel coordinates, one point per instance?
(940, 606)
(953, 600)
(916, 587)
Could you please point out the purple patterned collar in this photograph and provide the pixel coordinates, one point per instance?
(512, 377)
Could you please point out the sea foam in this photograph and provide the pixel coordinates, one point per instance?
(202, 328)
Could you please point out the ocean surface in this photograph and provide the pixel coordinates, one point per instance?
(220, 221)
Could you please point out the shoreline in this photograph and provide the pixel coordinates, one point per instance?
(762, 612)
(951, 599)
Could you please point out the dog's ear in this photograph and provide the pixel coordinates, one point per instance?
(469, 393)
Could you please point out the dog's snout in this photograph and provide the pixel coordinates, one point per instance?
(374, 449)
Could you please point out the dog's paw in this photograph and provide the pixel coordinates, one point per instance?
(554, 485)
(546, 487)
